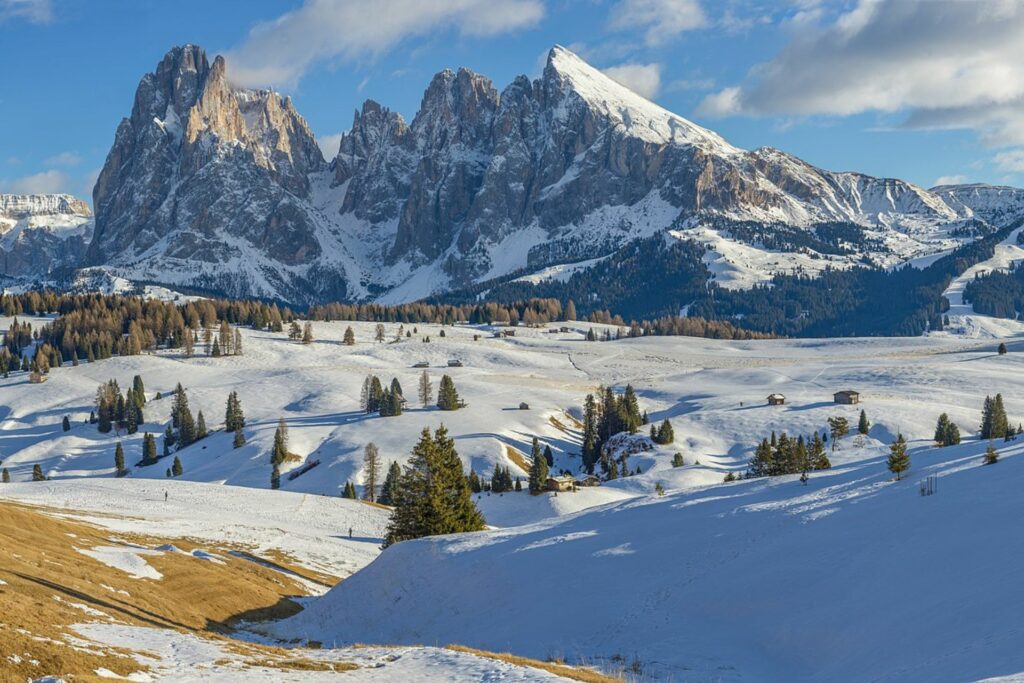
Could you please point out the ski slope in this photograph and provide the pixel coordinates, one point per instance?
(963, 320)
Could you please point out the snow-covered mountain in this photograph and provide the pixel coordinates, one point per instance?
(212, 186)
(42, 233)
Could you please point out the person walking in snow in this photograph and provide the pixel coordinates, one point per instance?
(350, 532)
(165, 496)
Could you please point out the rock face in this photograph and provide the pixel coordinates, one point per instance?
(41, 235)
(211, 186)
(211, 183)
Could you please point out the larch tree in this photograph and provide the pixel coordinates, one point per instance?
(426, 391)
(371, 471)
(350, 336)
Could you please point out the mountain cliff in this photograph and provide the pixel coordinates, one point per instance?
(215, 187)
(42, 234)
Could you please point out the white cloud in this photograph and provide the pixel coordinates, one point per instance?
(64, 159)
(329, 144)
(47, 182)
(943, 64)
(279, 52)
(660, 20)
(33, 11)
(1012, 161)
(957, 179)
(643, 79)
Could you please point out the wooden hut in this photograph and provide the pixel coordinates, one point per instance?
(846, 397)
(776, 400)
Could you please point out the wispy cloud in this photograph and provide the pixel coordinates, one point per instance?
(279, 52)
(64, 159)
(33, 11)
(957, 179)
(660, 20)
(643, 79)
(46, 182)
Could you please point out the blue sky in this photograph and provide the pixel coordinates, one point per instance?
(924, 90)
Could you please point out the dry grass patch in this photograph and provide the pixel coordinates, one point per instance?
(585, 675)
(518, 457)
(559, 425)
(48, 586)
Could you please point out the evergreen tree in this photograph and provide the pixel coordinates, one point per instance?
(139, 389)
(6, 476)
(839, 427)
(37, 473)
(549, 457)
(1002, 349)
(474, 482)
(991, 455)
(433, 496)
(350, 336)
(677, 460)
(426, 391)
(349, 491)
(817, 455)
(119, 460)
(169, 440)
(761, 463)
(200, 426)
(148, 449)
(899, 461)
(131, 415)
(994, 423)
(387, 491)
(376, 394)
(216, 349)
(952, 434)
(519, 484)
(66, 424)
(275, 478)
(280, 452)
(239, 439)
(664, 434)
(371, 471)
(863, 426)
(176, 468)
(234, 419)
(538, 469)
(447, 396)
(591, 446)
(941, 429)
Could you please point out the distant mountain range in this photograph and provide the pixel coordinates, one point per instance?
(212, 187)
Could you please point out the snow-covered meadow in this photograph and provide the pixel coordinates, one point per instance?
(850, 577)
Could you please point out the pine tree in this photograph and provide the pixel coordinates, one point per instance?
(942, 429)
(952, 435)
(131, 417)
(294, 331)
(376, 395)
(432, 496)
(119, 460)
(899, 461)
(280, 452)
(275, 478)
(387, 491)
(239, 439)
(139, 389)
(447, 396)
(66, 424)
(991, 455)
(350, 336)
(591, 446)
(148, 449)
(349, 491)
(176, 468)
(1002, 349)
(6, 476)
(216, 349)
(426, 391)
(664, 433)
(234, 419)
(677, 460)
(37, 473)
(200, 426)
(371, 471)
(549, 457)
(863, 426)
(538, 469)
(817, 455)
(474, 482)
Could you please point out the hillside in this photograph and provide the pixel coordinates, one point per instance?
(853, 577)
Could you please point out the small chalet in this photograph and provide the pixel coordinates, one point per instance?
(589, 480)
(524, 406)
(455, 363)
(422, 364)
(37, 377)
(776, 400)
(565, 482)
(846, 397)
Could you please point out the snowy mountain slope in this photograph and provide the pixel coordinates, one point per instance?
(853, 577)
(223, 189)
(42, 233)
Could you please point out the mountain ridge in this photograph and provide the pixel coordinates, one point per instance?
(222, 188)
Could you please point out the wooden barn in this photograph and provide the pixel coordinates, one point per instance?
(566, 482)
(776, 400)
(846, 397)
